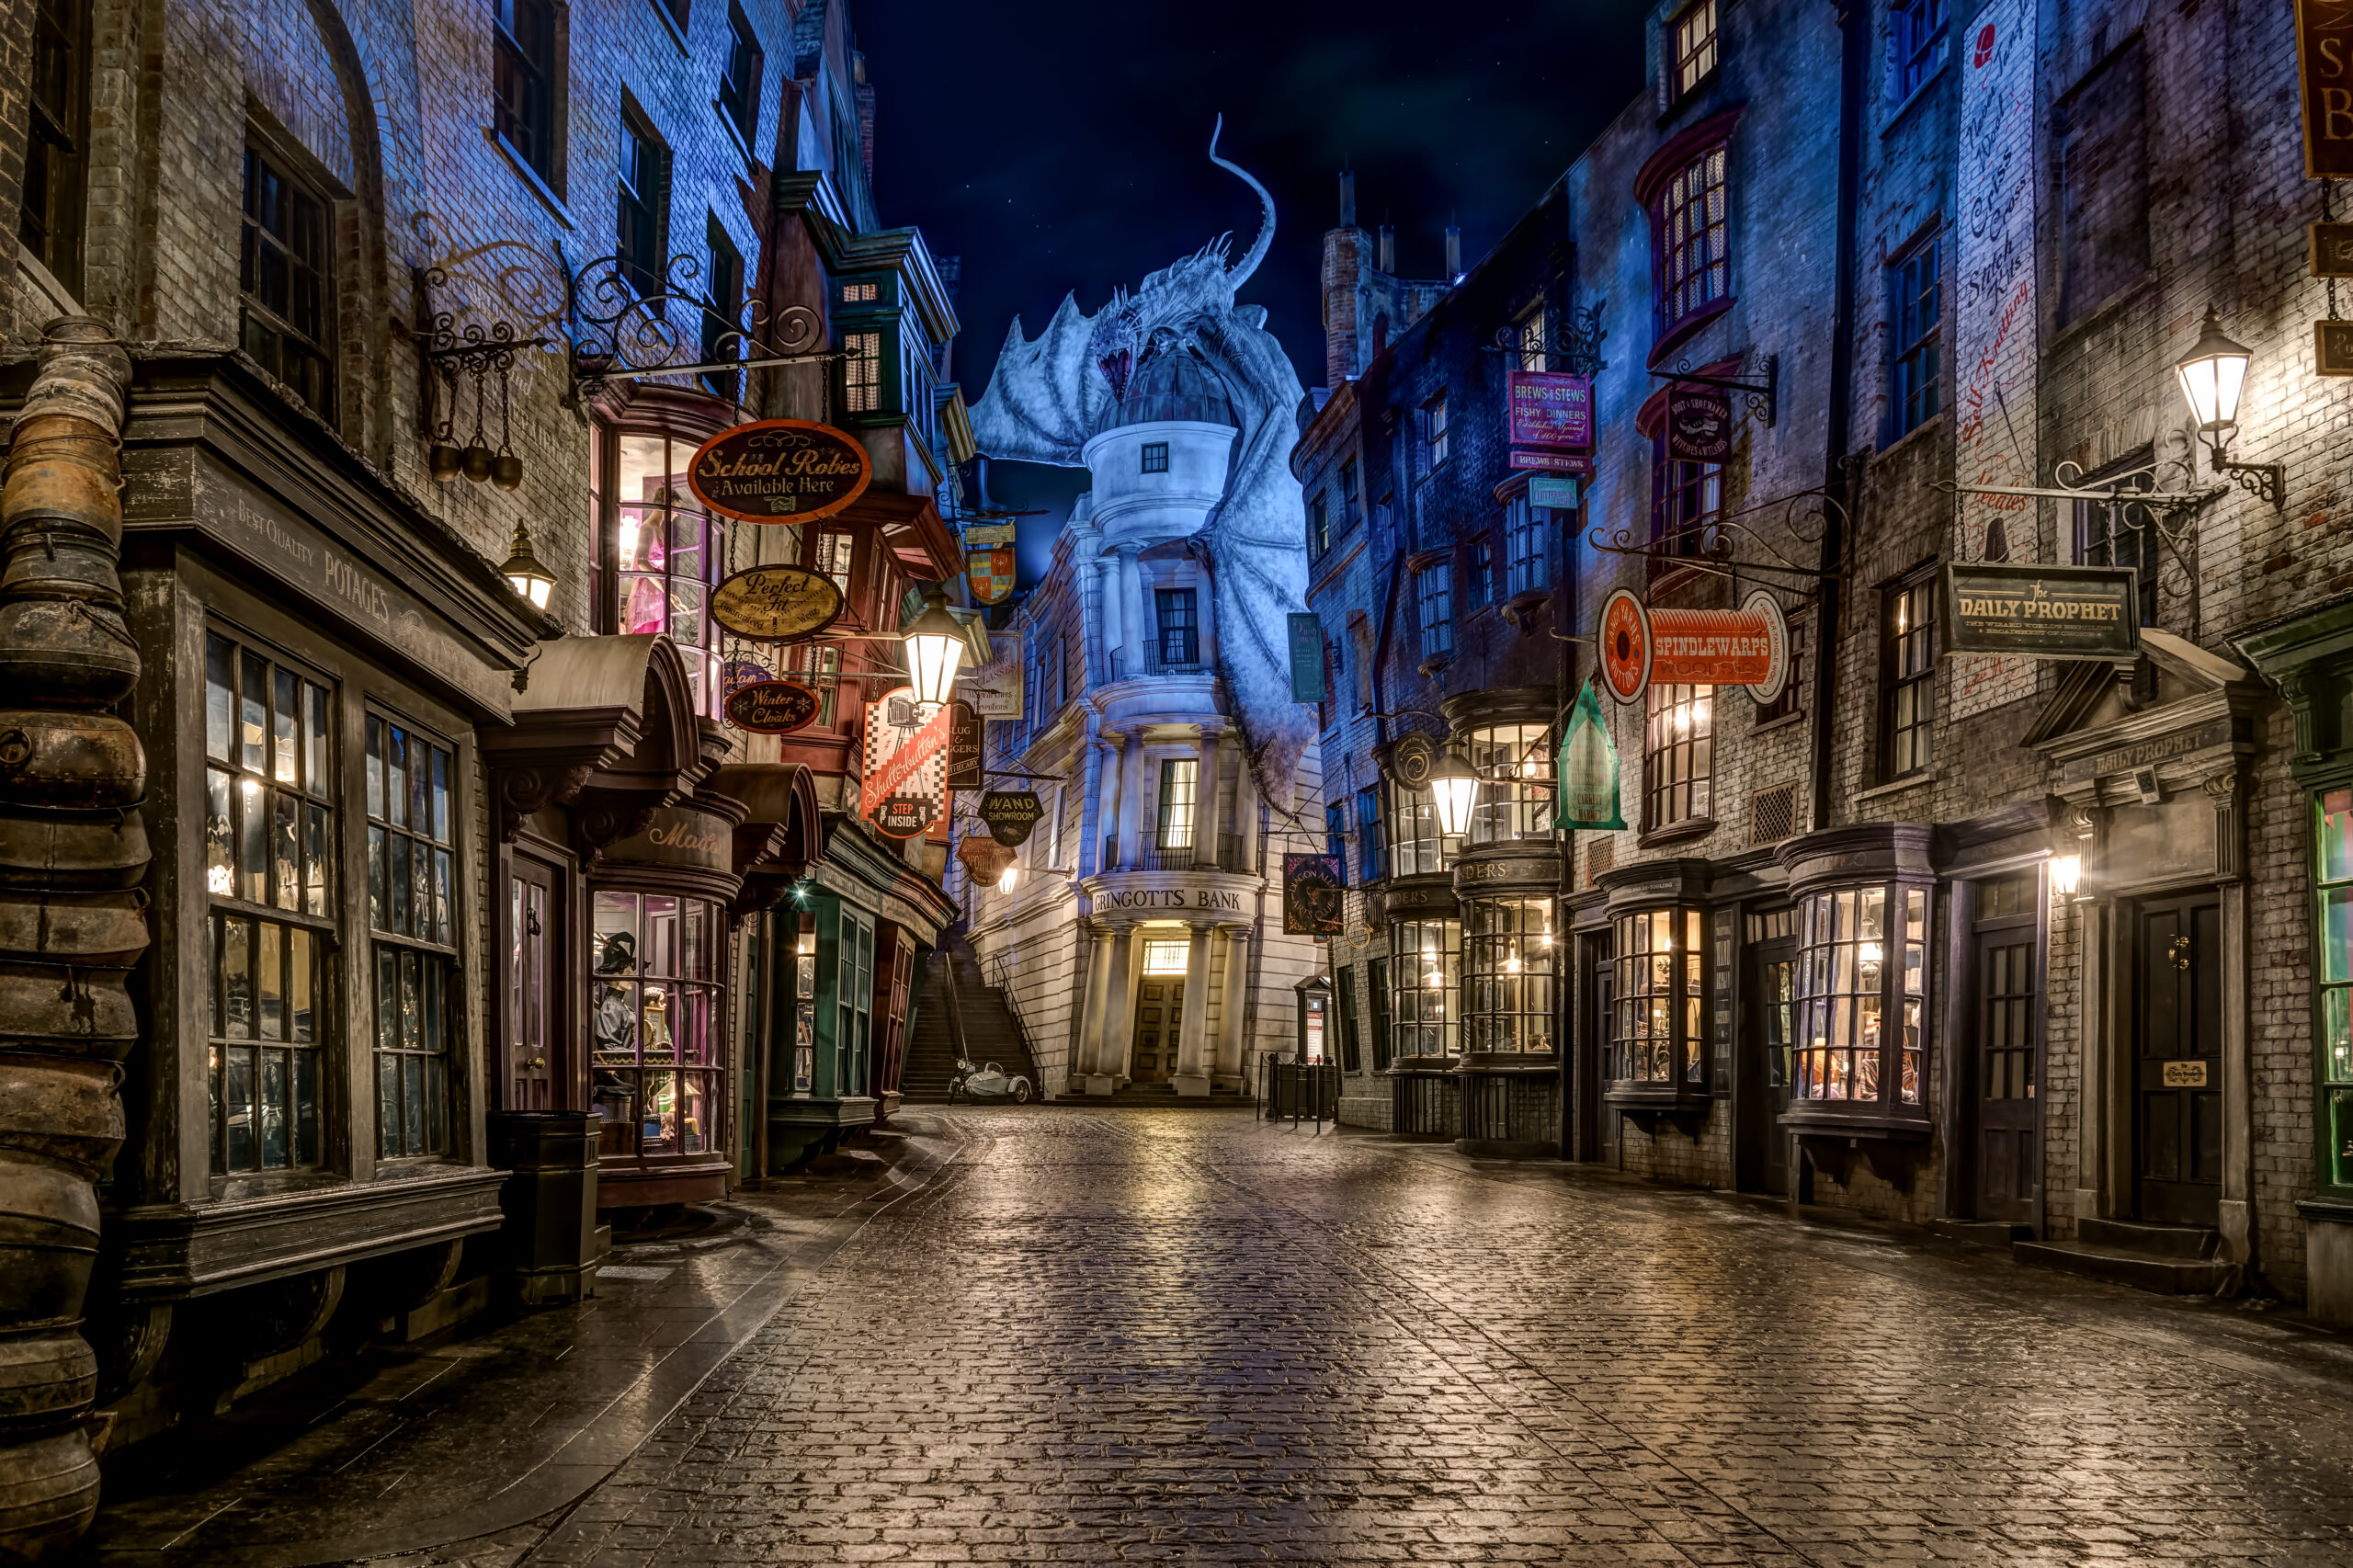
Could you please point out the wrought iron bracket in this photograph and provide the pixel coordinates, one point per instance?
(1764, 396)
(1572, 346)
(2265, 482)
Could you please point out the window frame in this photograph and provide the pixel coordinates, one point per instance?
(53, 217)
(1417, 846)
(265, 332)
(1177, 626)
(1686, 494)
(391, 943)
(1689, 785)
(1434, 608)
(711, 1067)
(1176, 810)
(1319, 524)
(1791, 703)
(1432, 1012)
(1527, 560)
(723, 331)
(745, 62)
(2333, 985)
(1511, 970)
(1690, 59)
(1434, 431)
(1915, 340)
(618, 545)
(1907, 676)
(1512, 804)
(1351, 493)
(1658, 999)
(641, 204)
(1914, 52)
(1373, 862)
(1900, 993)
(529, 128)
(1691, 270)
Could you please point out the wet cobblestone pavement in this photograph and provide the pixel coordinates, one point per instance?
(1149, 1335)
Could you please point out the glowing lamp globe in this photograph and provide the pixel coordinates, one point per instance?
(525, 574)
(935, 646)
(2213, 374)
(1452, 788)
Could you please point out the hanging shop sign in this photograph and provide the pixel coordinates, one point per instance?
(771, 707)
(2332, 250)
(994, 688)
(906, 759)
(2333, 348)
(964, 729)
(1009, 814)
(780, 471)
(991, 564)
(1699, 423)
(1587, 769)
(1578, 463)
(1306, 658)
(2325, 72)
(1749, 646)
(737, 674)
(1411, 757)
(1550, 410)
(776, 603)
(1313, 885)
(1545, 490)
(986, 858)
(2042, 612)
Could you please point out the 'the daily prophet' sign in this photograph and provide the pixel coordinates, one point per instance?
(2043, 612)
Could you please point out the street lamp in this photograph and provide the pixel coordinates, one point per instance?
(2213, 376)
(935, 643)
(2067, 877)
(523, 571)
(1004, 883)
(1452, 788)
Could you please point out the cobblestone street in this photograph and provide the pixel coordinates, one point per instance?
(1166, 1336)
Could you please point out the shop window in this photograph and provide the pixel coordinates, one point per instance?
(669, 553)
(1434, 437)
(739, 84)
(862, 372)
(1377, 993)
(53, 218)
(1524, 565)
(1434, 601)
(1789, 703)
(1335, 833)
(1166, 957)
(287, 283)
(723, 337)
(412, 894)
(1510, 952)
(1176, 803)
(1914, 312)
(1533, 330)
(1370, 864)
(2336, 880)
(1907, 678)
(1691, 245)
(1855, 974)
(1178, 616)
(1426, 967)
(524, 74)
(1319, 523)
(654, 1023)
(854, 1021)
(804, 1002)
(1515, 797)
(1692, 47)
(640, 222)
(1351, 502)
(1418, 847)
(1659, 994)
(1678, 755)
(1155, 457)
(2103, 184)
(270, 795)
(1687, 499)
(1351, 1049)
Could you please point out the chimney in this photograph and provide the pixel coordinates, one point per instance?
(1453, 253)
(1387, 260)
(1347, 200)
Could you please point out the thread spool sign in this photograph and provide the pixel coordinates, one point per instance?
(1749, 646)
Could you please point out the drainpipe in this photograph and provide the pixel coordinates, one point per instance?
(73, 852)
(1854, 43)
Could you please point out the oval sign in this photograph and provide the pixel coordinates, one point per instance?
(904, 817)
(776, 603)
(1411, 758)
(771, 707)
(1625, 646)
(780, 471)
(737, 674)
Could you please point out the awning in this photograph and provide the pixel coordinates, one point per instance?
(609, 718)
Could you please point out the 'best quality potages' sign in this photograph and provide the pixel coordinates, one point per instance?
(2043, 612)
(779, 471)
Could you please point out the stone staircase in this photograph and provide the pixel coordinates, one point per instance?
(990, 1033)
(2174, 1260)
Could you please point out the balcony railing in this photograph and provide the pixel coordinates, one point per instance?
(1150, 855)
(1170, 655)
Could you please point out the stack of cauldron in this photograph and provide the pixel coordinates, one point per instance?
(72, 851)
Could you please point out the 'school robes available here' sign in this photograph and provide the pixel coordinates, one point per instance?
(779, 471)
(1312, 888)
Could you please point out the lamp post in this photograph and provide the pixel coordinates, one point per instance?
(523, 571)
(1452, 788)
(935, 643)
(2213, 376)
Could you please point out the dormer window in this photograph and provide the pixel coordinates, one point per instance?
(1692, 47)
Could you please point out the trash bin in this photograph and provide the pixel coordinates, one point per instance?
(551, 1236)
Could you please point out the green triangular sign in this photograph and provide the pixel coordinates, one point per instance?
(1588, 770)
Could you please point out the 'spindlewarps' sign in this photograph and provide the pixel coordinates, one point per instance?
(2043, 612)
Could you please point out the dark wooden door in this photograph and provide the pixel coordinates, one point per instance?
(2007, 1106)
(2178, 1059)
(534, 935)
(1605, 1049)
(1761, 1082)
(1160, 1005)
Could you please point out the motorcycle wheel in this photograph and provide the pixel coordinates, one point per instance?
(1021, 1091)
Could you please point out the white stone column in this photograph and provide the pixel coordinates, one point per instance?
(1087, 1044)
(1192, 1075)
(1107, 590)
(1230, 1043)
(1119, 1013)
(1205, 798)
(1111, 795)
(1142, 626)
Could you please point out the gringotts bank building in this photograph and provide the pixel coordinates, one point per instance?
(1139, 936)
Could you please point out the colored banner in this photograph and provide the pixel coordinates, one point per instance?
(1994, 350)
(2325, 74)
(2043, 612)
(994, 688)
(1306, 658)
(1550, 410)
(1312, 886)
(1587, 770)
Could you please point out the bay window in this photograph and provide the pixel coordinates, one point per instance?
(654, 1006)
(1862, 998)
(1690, 247)
(1425, 970)
(1659, 999)
(412, 892)
(1418, 847)
(1510, 953)
(1514, 798)
(668, 553)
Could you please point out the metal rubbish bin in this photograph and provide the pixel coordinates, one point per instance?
(551, 1236)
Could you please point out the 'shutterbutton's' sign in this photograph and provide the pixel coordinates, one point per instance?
(2043, 612)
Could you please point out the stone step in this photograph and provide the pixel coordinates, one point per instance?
(2167, 1275)
(2192, 1242)
(1981, 1232)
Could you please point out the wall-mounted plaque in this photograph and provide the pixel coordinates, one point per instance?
(2333, 348)
(771, 707)
(776, 603)
(2042, 612)
(2184, 1074)
(1306, 657)
(780, 471)
(1009, 814)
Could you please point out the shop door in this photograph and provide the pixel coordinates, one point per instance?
(1160, 1005)
(895, 970)
(2009, 1153)
(534, 929)
(2177, 1061)
(1604, 1054)
(1761, 1088)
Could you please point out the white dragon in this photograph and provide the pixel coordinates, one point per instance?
(1045, 400)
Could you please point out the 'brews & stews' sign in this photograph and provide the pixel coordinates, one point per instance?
(779, 471)
(2042, 612)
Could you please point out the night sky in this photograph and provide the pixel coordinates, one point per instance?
(1057, 145)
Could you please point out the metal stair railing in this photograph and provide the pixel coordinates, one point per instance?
(998, 973)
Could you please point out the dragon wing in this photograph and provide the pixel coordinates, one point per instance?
(1044, 397)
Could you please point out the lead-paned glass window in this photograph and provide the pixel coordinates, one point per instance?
(1515, 797)
(1418, 847)
(1907, 677)
(1524, 565)
(1434, 599)
(862, 372)
(1377, 991)
(1155, 457)
(1915, 305)
(1863, 995)
(286, 281)
(413, 894)
(670, 553)
(1434, 431)
(654, 1010)
(2335, 876)
(1678, 755)
(1693, 39)
(1509, 945)
(1177, 784)
(1426, 969)
(853, 1041)
(270, 795)
(1659, 997)
(1693, 248)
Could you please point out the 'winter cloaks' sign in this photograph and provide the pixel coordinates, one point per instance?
(1588, 770)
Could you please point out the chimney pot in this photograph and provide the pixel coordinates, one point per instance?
(1387, 259)
(1453, 253)
(1347, 199)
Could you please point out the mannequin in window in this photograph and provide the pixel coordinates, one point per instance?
(613, 1026)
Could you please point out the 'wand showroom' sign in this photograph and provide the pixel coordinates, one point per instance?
(2043, 612)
